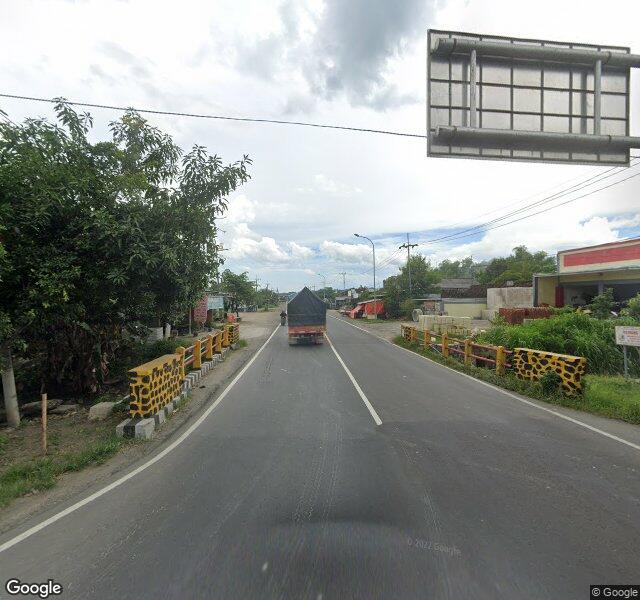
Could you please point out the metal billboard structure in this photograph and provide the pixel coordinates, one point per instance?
(492, 97)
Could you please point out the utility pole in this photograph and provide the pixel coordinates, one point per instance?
(344, 280)
(408, 246)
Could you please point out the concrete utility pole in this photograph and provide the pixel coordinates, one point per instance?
(408, 246)
(344, 280)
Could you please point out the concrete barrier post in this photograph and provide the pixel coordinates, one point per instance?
(445, 345)
(426, 338)
(467, 352)
(501, 360)
(225, 337)
(219, 342)
(413, 334)
(208, 354)
(180, 350)
(197, 354)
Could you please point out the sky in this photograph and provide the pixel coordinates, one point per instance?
(360, 63)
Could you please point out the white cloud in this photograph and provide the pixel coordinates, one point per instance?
(346, 253)
(300, 252)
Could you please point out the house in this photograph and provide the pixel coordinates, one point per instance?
(584, 273)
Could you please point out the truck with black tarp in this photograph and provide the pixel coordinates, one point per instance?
(307, 316)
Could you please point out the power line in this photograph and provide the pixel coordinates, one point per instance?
(548, 208)
(214, 117)
(570, 190)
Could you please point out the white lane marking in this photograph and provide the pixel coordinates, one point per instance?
(372, 410)
(40, 526)
(505, 392)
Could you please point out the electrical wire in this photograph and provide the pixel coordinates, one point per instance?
(579, 186)
(215, 117)
(546, 209)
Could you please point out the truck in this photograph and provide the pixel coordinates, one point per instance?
(307, 316)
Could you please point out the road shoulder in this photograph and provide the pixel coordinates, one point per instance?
(70, 487)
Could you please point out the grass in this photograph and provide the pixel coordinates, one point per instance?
(242, 343)
(42, 473)
(608, 396)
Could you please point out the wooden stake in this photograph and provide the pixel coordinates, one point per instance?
(44, 423)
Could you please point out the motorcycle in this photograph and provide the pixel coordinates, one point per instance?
(283, 320)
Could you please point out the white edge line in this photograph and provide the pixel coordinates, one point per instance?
(505, 392)
(372, 410)
(118, 482)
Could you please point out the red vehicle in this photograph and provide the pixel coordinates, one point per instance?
(307, 316)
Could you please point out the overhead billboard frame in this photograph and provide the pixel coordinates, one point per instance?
(494, 97)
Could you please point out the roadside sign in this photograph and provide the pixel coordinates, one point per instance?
(628, 336)
(496, 97)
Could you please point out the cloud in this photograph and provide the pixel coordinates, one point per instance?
(347, 50)
(300, 252)
(326, 185)
(346, 253)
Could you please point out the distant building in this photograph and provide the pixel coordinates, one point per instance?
(583, 273)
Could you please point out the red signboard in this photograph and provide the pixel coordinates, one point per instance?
(200, 311)
(602, 255)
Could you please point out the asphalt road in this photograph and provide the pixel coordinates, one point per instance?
(289, 489)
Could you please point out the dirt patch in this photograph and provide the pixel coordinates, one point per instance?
(65, 433)
(93, 441)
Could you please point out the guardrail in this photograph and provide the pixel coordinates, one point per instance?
(467, 350)
(524, 362)
(156, 383)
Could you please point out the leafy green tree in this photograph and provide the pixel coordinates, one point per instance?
(454, 269)
(396, 288)
(100, 237)
(519, 267)
(240, 289)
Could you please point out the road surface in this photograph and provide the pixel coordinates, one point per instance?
(289, 489)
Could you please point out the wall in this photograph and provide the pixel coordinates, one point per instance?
(464, 309)
(509, 297)
(597, 258)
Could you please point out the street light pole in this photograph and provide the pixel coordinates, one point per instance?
(373, 246)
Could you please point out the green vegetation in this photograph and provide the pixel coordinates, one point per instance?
(41, 473)
(602, 305)
(612, 397)
(243, 343)
(568, 332)
(97, 239)
(518, 267)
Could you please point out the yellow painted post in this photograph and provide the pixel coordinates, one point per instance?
(225, 337)
(467, 352)
(501, 360)
(445, 345)
(426, 340)
(414, 333)
(208, 354)
(219, 342)
(180, 350)
(197, 354)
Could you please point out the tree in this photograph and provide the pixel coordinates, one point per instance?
(519, 267)
(239, 288)
(396, 288)
(454, 269)
(99, 238)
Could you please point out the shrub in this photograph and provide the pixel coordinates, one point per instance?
(406, 308)
(602, 305)
(633, 308)
(550, 382)
(572, 333)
